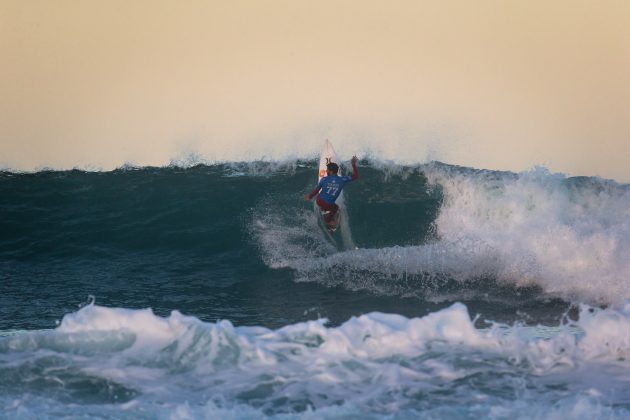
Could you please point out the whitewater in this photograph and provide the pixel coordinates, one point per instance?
(208, 290)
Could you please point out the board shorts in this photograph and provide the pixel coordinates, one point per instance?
(329, 209)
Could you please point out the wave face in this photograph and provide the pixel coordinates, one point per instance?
(434, 246)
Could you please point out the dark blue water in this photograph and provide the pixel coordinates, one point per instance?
(237, 242)
(172, 238)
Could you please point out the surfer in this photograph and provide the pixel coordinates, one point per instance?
(329, 188)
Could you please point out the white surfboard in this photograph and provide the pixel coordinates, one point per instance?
(328, 155)
(341, 219)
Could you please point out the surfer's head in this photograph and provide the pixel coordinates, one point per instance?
(332, 168)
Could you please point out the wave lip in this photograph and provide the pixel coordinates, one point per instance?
(375, 363)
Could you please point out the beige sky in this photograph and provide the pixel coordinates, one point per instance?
(490, 84)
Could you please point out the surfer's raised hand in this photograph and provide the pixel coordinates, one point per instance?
(355, 170)
(307, 197)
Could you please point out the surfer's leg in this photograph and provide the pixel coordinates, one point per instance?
(330, 210)
(330, 216)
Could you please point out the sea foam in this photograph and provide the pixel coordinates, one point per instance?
(375, 363)
(569, 236)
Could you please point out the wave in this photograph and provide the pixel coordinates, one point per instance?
(123, 361)
(566, 236)
(569, 236)
(430, 230)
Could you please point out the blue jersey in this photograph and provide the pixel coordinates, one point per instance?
(331, 187)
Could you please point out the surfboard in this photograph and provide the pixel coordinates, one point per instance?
(342, 239)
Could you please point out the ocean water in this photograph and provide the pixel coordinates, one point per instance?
(207, 291)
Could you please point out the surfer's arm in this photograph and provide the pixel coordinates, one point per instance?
(313, 193)
(355, 170)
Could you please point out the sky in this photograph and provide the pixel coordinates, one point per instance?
(506, 85)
